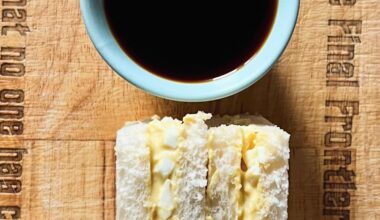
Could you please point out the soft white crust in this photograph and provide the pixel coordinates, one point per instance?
(132, 173)
(191, 173)
(273, 176)
(224, 169)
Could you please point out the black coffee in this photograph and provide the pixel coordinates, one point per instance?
(188, 41)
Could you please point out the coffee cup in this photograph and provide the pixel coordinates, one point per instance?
(98, 28)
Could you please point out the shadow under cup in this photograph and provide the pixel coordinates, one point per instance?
(99, 31)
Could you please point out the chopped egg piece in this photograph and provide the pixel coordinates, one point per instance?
(165, 203)
(171, 137)
(164, 167)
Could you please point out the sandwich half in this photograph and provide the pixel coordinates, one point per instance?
(248, 169)
(230, 168)
(162, 168)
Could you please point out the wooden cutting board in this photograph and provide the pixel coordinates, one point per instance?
(61, 105)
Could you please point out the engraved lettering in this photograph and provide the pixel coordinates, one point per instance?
(14, 2)
(336, 199)
(11, 112)
(337, 139)
(337, 157)
(337, 83)
(343, 2)
(10, 186)
(10, 170)
(12, 154)
(345, 39)
(19, 28)
(335, 69)
(346, 121)
(10, 212)
(342, 172)
(344, 106)
(12, 53)
(12, 95)
(339, 186)
(11, 128)
(341, 52)
(13, 15)
(348, 26)
(343, 213)
(12, 69)
(12, 65)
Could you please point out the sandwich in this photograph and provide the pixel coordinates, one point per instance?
(161, 168)
(202, 168)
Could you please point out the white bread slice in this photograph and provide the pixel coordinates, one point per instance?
(224, 184)
(268, 166)
(265, 152)
(191, 172)
(133, 177)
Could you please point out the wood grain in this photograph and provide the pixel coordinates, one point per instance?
(66, 180)
(74, 105)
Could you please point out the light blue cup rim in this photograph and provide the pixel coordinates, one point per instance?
(253, 70)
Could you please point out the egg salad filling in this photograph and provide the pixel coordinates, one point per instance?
(248, 158)
(164, 137)
(260, 160)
